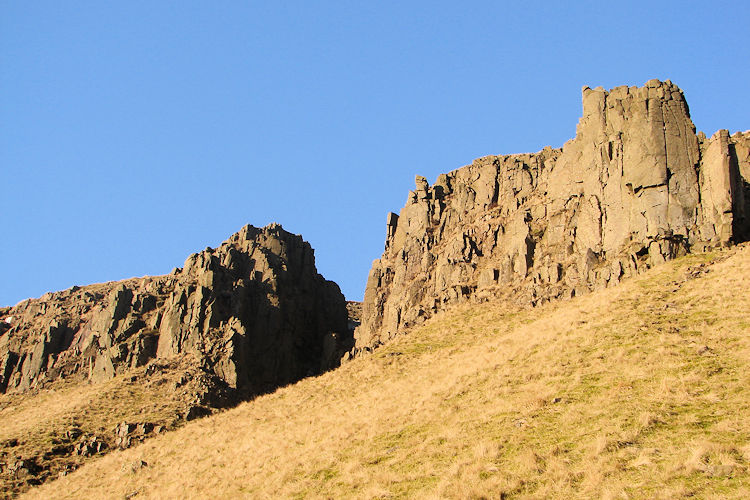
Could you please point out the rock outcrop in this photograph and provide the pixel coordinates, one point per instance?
(253, 314)
(637, 186)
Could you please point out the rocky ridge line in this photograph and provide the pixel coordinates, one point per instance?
(252, 315)
(635, 187)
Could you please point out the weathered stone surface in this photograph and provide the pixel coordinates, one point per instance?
(127, 434)
(354, 309)
(635, 187)
(255, 309)
(253, 312)
(89, 446)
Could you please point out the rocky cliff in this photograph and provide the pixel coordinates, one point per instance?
(252, 314)
(635, 187)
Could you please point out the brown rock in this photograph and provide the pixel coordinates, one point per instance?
(89, 446)
(254, 314)
(635, 187)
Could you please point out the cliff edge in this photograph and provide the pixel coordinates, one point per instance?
(252, 314)
(635, 187)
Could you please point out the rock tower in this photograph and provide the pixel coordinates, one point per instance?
(253, 313)
(635, 187)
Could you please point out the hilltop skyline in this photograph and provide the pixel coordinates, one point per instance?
(135, 135)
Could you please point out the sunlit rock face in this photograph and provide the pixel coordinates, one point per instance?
(253, 314)
(635, 187)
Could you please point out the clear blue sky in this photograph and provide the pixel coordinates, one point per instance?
(134, 133)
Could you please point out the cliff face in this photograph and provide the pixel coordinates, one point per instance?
(252, 314)
(635, 187)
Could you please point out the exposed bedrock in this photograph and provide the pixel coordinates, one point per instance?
(253, 313)
(637, 186)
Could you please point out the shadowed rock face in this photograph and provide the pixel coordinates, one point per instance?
(253, 313)
(635, 187)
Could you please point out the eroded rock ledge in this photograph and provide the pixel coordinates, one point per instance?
(252, 314)
(637, 186)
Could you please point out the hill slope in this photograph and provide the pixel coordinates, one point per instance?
(242, 319)
(637, 391)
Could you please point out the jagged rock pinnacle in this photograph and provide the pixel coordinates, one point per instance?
(635, 187)
(253, 312)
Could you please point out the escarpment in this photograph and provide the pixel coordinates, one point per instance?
(252, 314)
(635, 187)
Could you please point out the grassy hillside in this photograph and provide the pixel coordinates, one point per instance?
(639, 391)
(53, 431)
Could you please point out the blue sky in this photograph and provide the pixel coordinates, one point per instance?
(135, 133)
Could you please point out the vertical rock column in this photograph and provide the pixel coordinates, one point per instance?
(634, 188)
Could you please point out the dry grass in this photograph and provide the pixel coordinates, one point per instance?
(640, 391)
(40, 424)
(95, 407)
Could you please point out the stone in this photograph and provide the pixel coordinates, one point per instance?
(89, 446)
(127, 434)
(253, 314)
(23, 468)
(636, 187)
